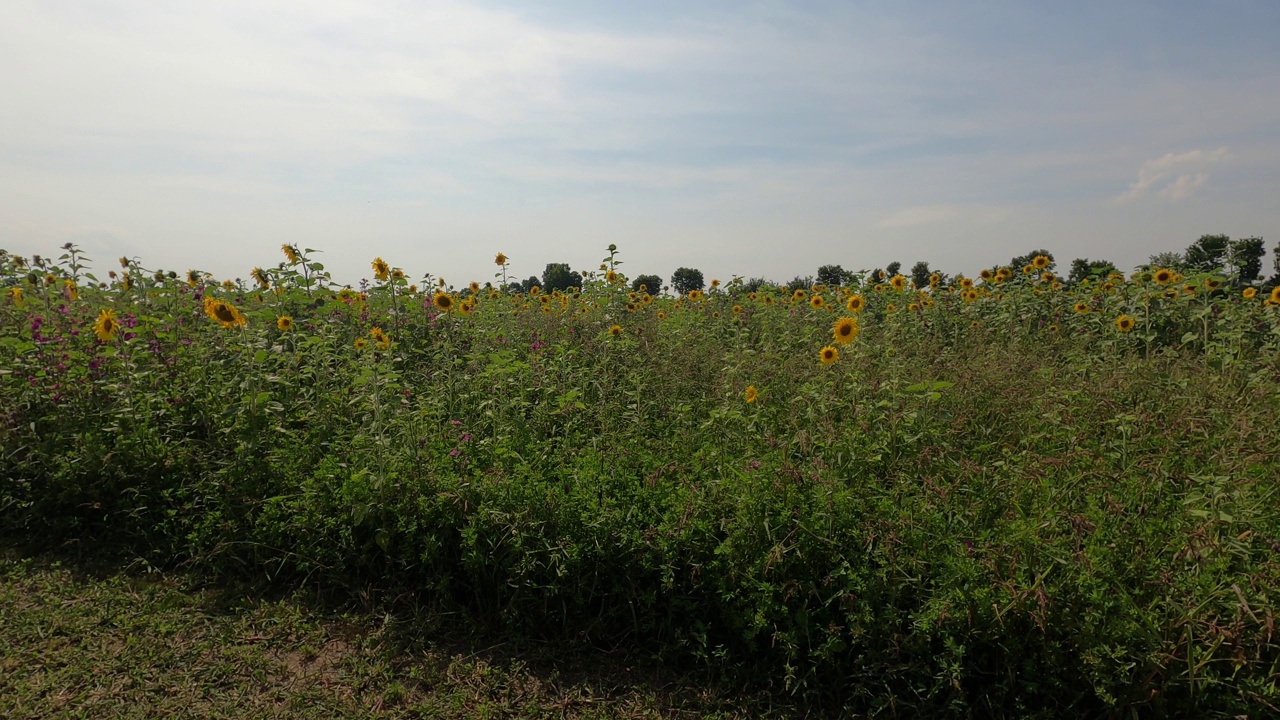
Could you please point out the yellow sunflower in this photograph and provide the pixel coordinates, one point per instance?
(1164, 276)
(737, 309)
(828, 355)
(1250, 293)
(817, 302)
(986, 274)
(966, 283)
(500, 259)
(285, 323)
(381, 270)
(443, 302)
(662, 315)
(380, 339)
(898, 282)
(1040, 262)
(105, 326)
(611, 276)
(934, 279)
(15, 294)
(1028, 269)
(616, 330)
(799, 295)
(360, 343)
(290, 253)
(855, 303)
(1081, 308)
(1212, 283)
(260, 276)
(845, 330)
(1275, 294)
(751, 394)
(474, 287)
(1125, 323)
(224, 313)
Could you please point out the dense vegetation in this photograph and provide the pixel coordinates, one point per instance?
(1006, 495)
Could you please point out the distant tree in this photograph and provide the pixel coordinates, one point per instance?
(892, 268)
(832, 275)
(1207, 254)
(652, 284)
(513, 287)
(530, 284)
(877, 275)
(754, 284)
(1167, 260)
(1084, 268)
(558, 276)
(683, 280)
(800, 283)
(1245, 256)
(1021, 261)
(920, 274)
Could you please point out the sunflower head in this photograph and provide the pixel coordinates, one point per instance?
(500, 259)
(817, 302)
(284, 323)
(260, 277)
(1028, 269)
(105, 326)
(224, 313)
(1275, 294)
(966, 283)
(611, 276)
(844, 330)
(381, 270)
(1047, 277)
(828, 355)
(380, 339)
(799, 295)
(934, 279)
(443, 302)
(662, 315)
(616, 330)
(855, 303)
(1040, 262)
(750, 394)
(1249, 293)
(737, 309)
(1212, 283)
(1081, 308)
(1164, 276)
(898, 282)
(986, 274)
(1125, 323)
(360, 343)
(474, 287)
(290, 253)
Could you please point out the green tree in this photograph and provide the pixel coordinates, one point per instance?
(800, 283)
(652, 284)
(1167, 260)
(1207, 254)
(832, 275)
(920, 273)
(892, 268)
(1017, 263)
(1245, 256)
(684, 280)
(558, 276)
(1084, 268)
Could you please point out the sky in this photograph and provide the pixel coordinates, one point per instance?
(739, 138)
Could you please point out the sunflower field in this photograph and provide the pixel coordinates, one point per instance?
(1005, 495)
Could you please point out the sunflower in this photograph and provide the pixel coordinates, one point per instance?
(986, 274)
(1212, 283)
(194, 277)
(898, 282)
(1275, 294)
(616, 330)
(285, 323)
(443, 302)
(845, 330)
(799, 295)
(646, 298)
(890, 307)
(260, 276)
(228, 285)
(715, 284)
(1249, 293)
(1164, 276)
(474, 287)
(413, 289)
(855, 303)
(381, 270)
(15, 294)
(380, 339)
(290, 253)
(751, 394)
(500, 259)
(934, 279)
(768, 299)
(1003, 274)
(966, 283)
(226, 314)
(662, 315)
(1052, 328)
(105, 326)
(630, 307)
(737, 309)
(969, 295)
(828, 355)
(1081, 308)
(1028, 269)
(1040, 262)
(914, 307)
(360, 343)
(817, 302)
(611, 277)
(397, 274)
(1125, 323)
(1047, 277)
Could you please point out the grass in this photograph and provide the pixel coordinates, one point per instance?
(95, 640)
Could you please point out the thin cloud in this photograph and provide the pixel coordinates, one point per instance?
(1164, 176)
(936, 214)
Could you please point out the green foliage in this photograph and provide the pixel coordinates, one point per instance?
(832, 275)
(997, 502)
(1084, 269)
(920, 273)
(685, 280)
(1245, 258)
(558, 276)
(1207, 254)
(652, 284)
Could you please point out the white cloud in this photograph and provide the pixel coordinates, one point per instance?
(1165, 177)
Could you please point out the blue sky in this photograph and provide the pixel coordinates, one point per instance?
(758, 139)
